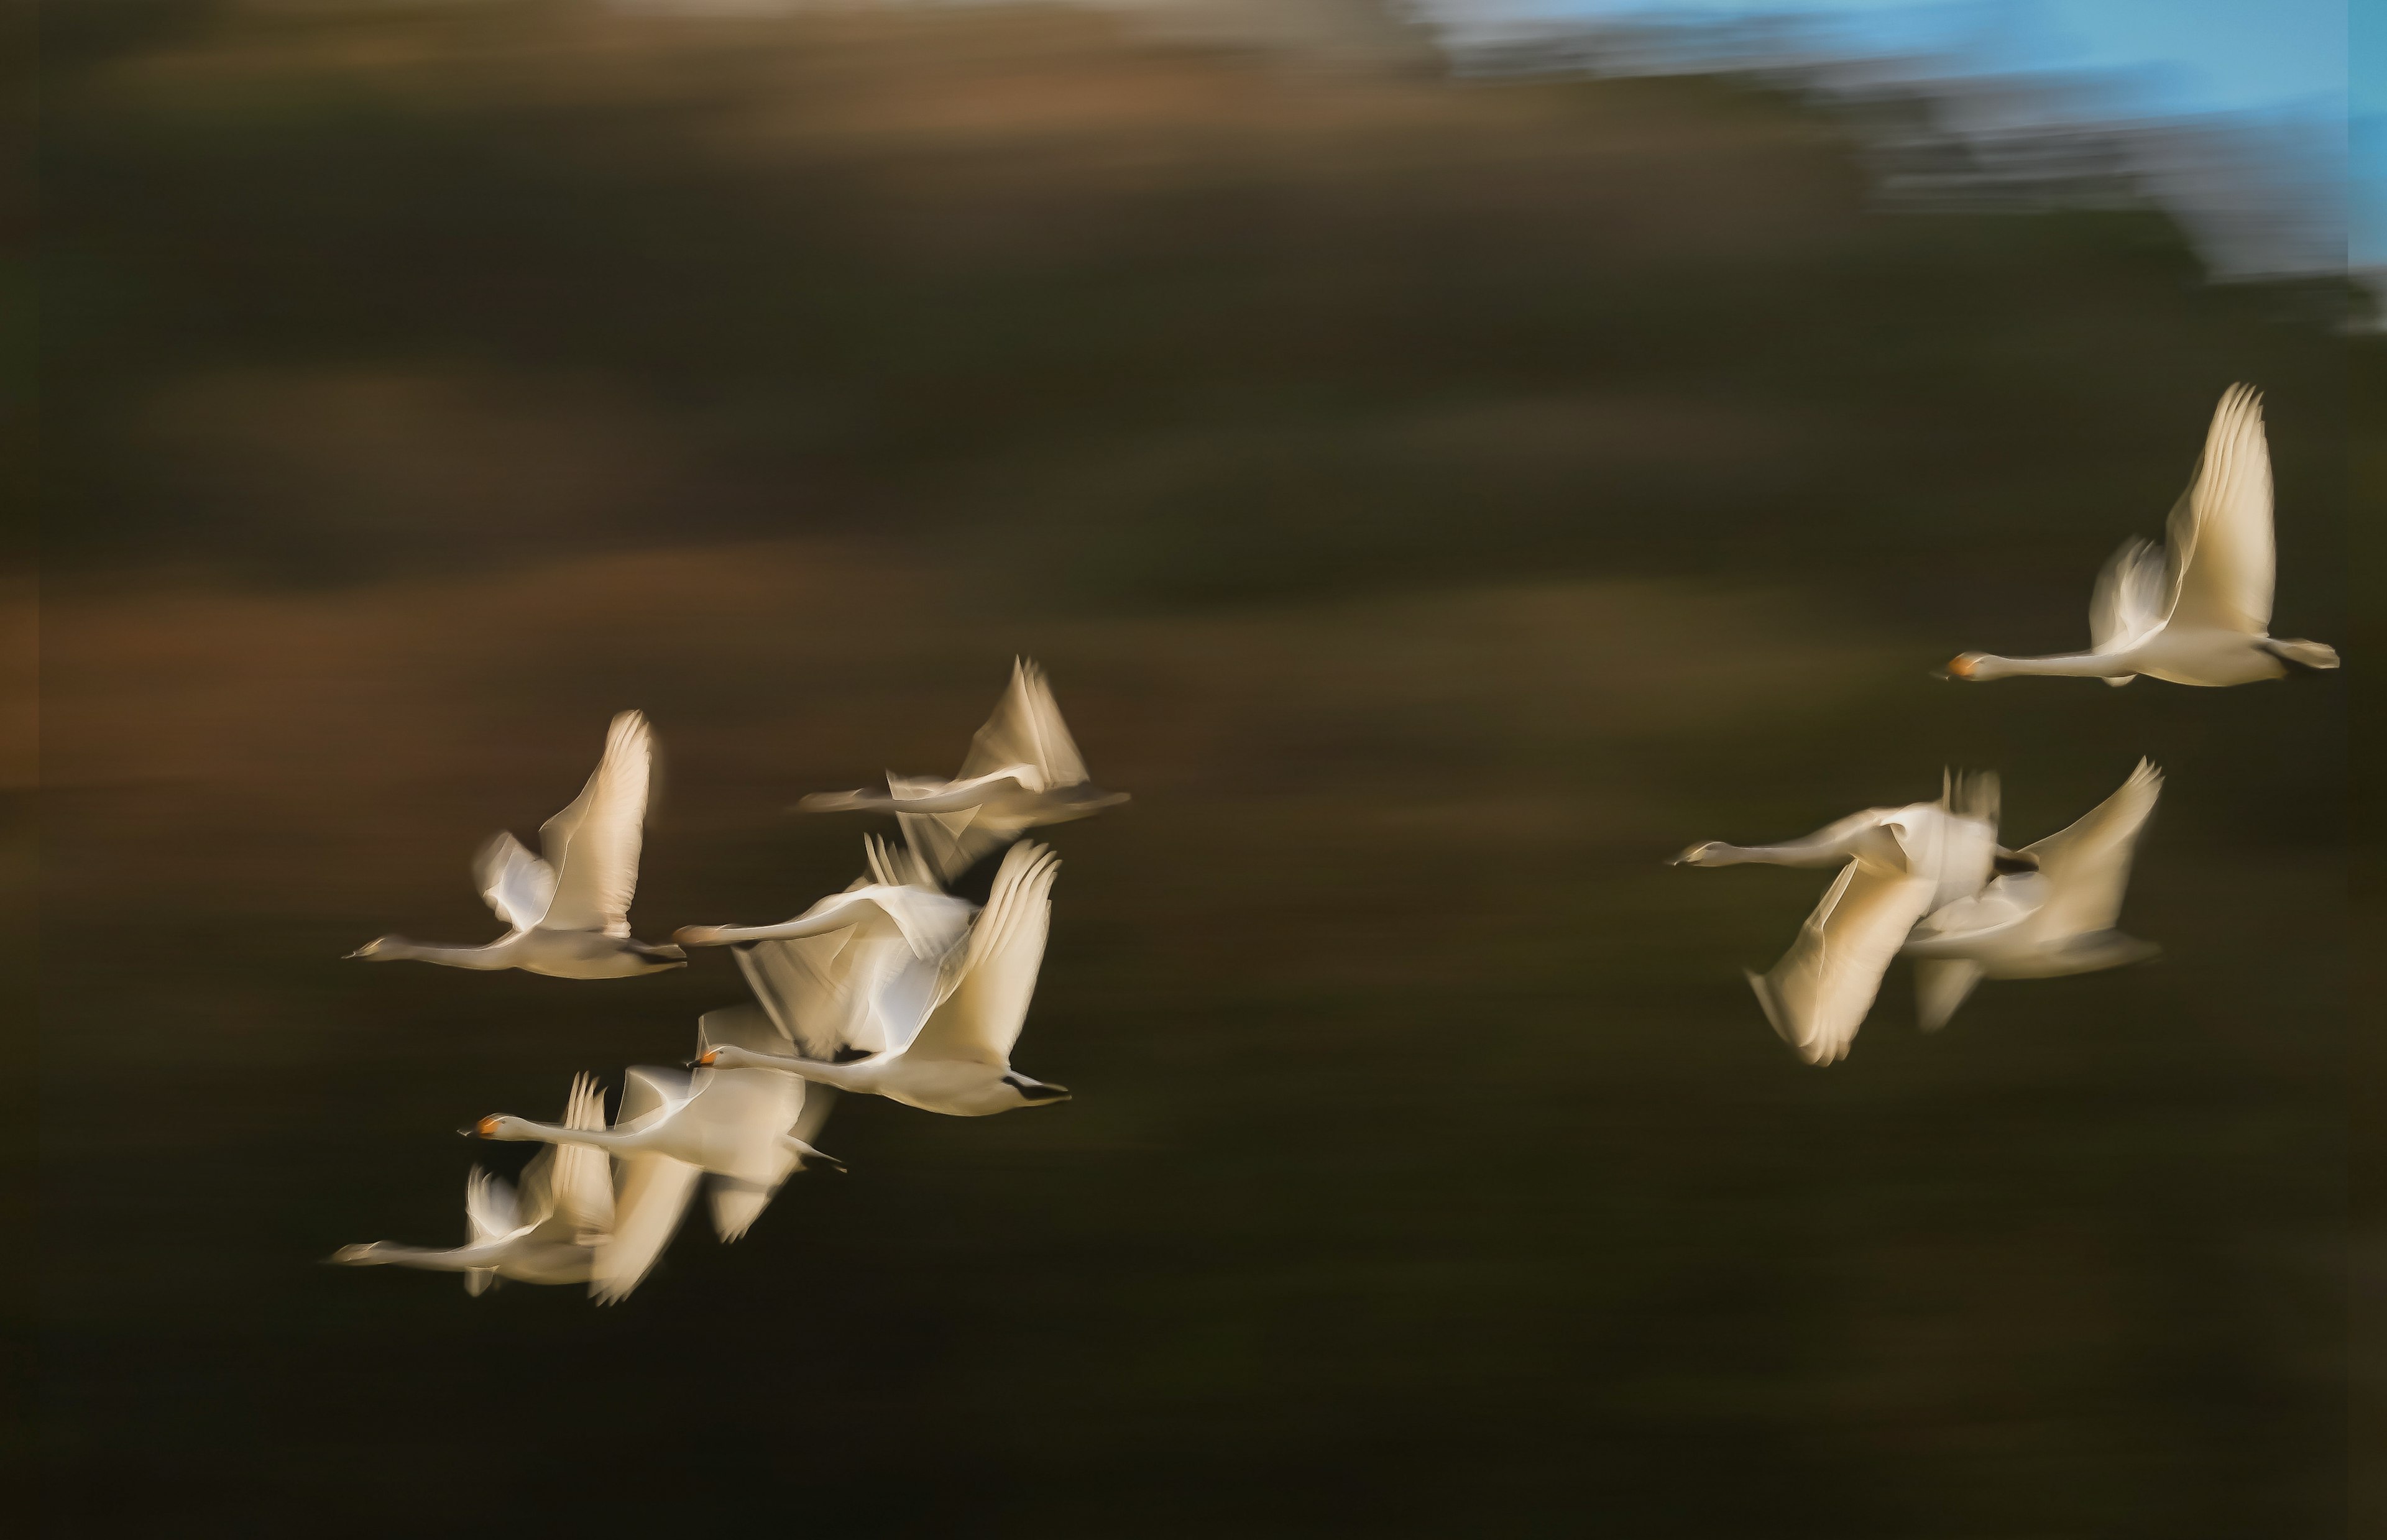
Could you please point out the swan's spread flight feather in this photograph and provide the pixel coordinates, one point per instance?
(593, 844)
(980, 1017)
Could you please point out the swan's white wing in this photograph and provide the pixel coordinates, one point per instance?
(742, 1113)
(898, 865)
(649, 1095)
(652, 1195)
(491, 1209)
(979, 1018)
(1818, 994)
(1025, 730)
(2128, 602)
(593, 844)
(583, 1176)
(2087, 867)
(1956, 844)
(797, 984)
(2221, 533)
(760, 1105)
(947, 843)
(745, 1111)
(518, 885)
(1940, 985)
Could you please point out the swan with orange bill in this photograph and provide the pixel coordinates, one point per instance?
(2196, 610)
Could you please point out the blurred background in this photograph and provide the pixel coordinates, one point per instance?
(1449, 459)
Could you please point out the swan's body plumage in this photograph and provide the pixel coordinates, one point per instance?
(548, 1232)
(2057, 920)
(1023, 771)
(957, 1059)
(567, 915)
(2196, 611)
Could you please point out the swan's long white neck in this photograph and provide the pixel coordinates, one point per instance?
(862, 1075)
(459, 1259)
(612, 1140)
(2070, 666)
(496, 954)
(1797, 853)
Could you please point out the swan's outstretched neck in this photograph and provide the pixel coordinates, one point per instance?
(1797, 853)
(554, 1133)
(393, 1253)
(2075, 665)
(845, 1077)
(398, 948)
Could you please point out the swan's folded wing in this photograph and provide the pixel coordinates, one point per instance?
(2087, 867)
(1025, 730)
(518, 885)
(1818, 994)
(647, 1204)
(2221, 533)
(2129, 600)
(980, 1016)
(491, 1209)
(593, 844)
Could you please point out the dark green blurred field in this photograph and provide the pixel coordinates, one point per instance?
(1437, 504)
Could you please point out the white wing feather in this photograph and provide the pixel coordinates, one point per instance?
(489, 1208)
(2087, 867)
(1817, 995)
(518, 885)
(980, 1016)
(582, 1177)
(1025, 730)
(2128, 603)
(647, 1204)
(2222, 555)
(593, 844)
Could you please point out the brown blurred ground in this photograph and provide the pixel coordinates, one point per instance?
(1436, 504)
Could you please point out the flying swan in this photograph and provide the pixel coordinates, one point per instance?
(569, 916)
(2197, 610)
(959, 1061)
(549, 1233)
(1023, 771)
(1897, 865)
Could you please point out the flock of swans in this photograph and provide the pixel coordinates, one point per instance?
(1930, 881)
(906, 986)
(903, 986)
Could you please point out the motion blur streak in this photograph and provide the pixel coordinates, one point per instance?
(1436, 500)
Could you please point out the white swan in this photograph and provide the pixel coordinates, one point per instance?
(2198, 610)
(2043, 924)
(1023, 771)
(569, 914)
(1896, 865)
(959, 1062)
(745, 1129)
(856, 973)
(548, 1234)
